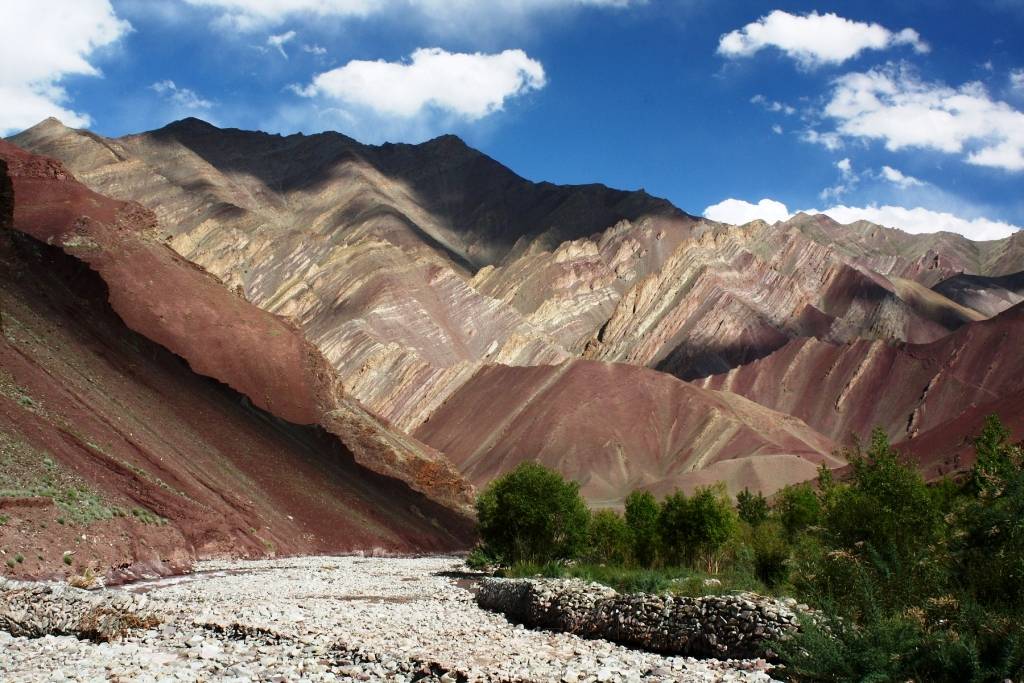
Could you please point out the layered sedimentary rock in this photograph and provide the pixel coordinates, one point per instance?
(844, 390)
(987, 295)
(369, 249)
(429, 277)
(161, 389)
(615, 428)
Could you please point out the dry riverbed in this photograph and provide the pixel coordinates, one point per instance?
(339, 618)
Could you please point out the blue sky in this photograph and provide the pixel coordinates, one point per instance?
(909, 113)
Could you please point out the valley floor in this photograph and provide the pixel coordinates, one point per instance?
(339, 618)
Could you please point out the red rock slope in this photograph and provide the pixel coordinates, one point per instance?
(616, 427)
(273, 457)
(907, 389)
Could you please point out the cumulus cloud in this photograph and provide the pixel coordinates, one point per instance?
(40, 44)
(437, 15)
(278, 41)
(183, 97)
(896, 177)
(738, 211)
(469, 86)
(893, 105)
(915, 221)
(814, 39)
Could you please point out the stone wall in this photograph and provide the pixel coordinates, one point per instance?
(710, 626)
(34, 610)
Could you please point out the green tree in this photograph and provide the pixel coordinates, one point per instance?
(610, 538)
(674, 532)
(797, 507)
(532, 514)
(642, 512)
(996, 460)
(713, 521)
(752, 508)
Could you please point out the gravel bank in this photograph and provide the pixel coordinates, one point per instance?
(337, 618)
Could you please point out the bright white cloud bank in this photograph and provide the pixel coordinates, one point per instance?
(40, 43)
(915, 221)
(738, 212)
(893, 105)
(439, 15)
(814, 39)
(470, 86)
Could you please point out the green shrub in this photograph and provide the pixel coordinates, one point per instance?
(771, 553)
(642, 511)
(610, 539)
(532, 514)
(480, 558)
(752, 508)
(996, 460)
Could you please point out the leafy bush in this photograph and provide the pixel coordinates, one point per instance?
(642, 511)
(532, 514)
(610, 539)
(771, 553)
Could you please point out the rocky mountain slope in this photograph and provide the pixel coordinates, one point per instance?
(844, 390)
(160, 410)
(615, 427)
(472, 308)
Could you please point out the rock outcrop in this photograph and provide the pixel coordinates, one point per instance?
(710, 626)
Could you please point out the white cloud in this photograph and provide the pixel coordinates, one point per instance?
(436, 15)
(40, 44)
(829, 140)
(920, 220)
(314, 49)
(777, 129)
(848, 180)
(772, 105)
(915, 221)
(738, 212)
(279, 40)
(891, 104)
(470, 86)
(183, 97)
(1017, 80)
(814, 39)
(896, 177)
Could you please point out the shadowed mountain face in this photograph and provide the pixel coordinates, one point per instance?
(430, 279)
(111, 347)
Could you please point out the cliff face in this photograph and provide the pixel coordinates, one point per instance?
(143, 377)
(429, 277)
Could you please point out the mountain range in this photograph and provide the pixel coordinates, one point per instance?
(310, 343)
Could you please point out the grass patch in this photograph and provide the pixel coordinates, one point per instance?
(674, 580)
(28, 473)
